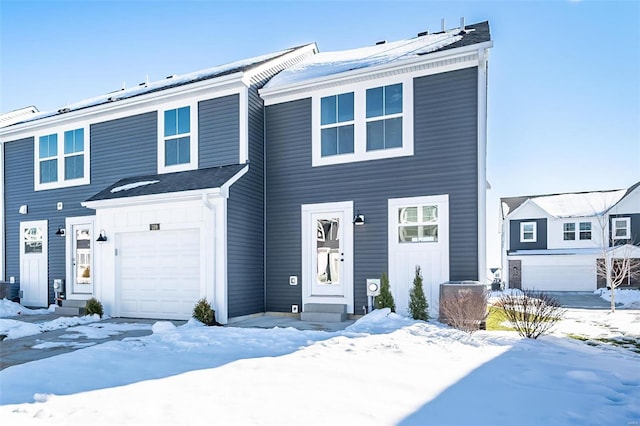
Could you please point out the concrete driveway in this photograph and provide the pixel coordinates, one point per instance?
(580, 299)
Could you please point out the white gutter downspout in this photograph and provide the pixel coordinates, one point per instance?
(482, 164)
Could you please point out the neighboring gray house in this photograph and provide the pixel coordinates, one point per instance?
(153, 197)
(553, 242)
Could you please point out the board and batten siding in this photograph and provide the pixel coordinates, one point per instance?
(218, 131)
(444, 162)
(119, 148)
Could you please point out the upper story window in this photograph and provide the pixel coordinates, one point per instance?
(418, 224)
(585, 230)
(569, 231)
(384, 117)
(621, 228)
(62, 159)
(336, 124)
(528, 232)
(367, 122)
(177, 142)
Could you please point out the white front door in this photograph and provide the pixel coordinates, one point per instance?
(80, 257)
(327, 254)
(418, 236)
(34, 281)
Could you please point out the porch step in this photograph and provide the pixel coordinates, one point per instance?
(72, 307)
(320, 312)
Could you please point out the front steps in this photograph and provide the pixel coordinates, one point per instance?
(72, 307)
(324, 312)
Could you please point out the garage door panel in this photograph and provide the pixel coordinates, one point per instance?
(559, 275)
(159, 274)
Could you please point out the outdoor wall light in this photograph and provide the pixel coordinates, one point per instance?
(61, 232)
(358, 219)
(23, 209)
(102, 237)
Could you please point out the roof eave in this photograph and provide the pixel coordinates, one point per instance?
(267, 93)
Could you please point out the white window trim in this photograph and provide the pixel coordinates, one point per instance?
(360, 119)
(60, 156)
(627, 227)
(535, 232)
(568, 232)
(193, 137)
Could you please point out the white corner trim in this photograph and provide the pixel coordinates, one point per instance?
(2, 244)
(482, 163)
(244, 126)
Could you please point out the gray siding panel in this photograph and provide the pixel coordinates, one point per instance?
(245, 231)
(635, 229)
(444, 162)
(119, 148)
(514, 235)
(219, 131)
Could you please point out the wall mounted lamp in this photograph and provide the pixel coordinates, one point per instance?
(61, 232)
(102, 237)
(358, 219)
(23, 209)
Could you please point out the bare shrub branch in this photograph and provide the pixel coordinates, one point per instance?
(531, 313)
(466, 310)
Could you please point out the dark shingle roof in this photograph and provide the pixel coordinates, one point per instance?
(480, 34)
(210, 178)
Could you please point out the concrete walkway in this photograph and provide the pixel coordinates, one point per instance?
(20, 351)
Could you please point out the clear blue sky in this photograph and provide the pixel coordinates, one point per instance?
(564, 76)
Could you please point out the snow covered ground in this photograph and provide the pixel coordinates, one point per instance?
(382, 370)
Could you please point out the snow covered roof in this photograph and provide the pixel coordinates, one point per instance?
(167, 83)
(576, 204)
(213, 177)
(329, 63)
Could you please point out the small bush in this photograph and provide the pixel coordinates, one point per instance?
(203, 312)
(385, 298)
(417, 301)
(531, 313)
(466, 310)
(94, 306)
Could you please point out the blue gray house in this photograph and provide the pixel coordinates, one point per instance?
(280, 183)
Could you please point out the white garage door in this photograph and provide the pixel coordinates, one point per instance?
(567, 274)
(159, 274)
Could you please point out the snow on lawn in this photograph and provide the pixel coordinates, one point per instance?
(10, 309)
(14, 329)
(382, 370)
(630, 299)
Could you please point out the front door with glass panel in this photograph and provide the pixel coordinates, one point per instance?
(328, 253)
(34, 290)
(81, 260)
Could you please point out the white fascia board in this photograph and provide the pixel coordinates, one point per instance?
(295, 90)
(167, 197)
(528, 202)
(134, 105)
(303, 51)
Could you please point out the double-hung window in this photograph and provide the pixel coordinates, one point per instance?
(569, 231)
(62, 159)
(528, 232)
(621, 228)
(585, 230)
(177, 142)
(337, 124)
(362, 121)
(384, 117)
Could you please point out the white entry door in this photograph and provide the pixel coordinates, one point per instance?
(418, 236)
(327, 253)
(34, 284)
(81, 260)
